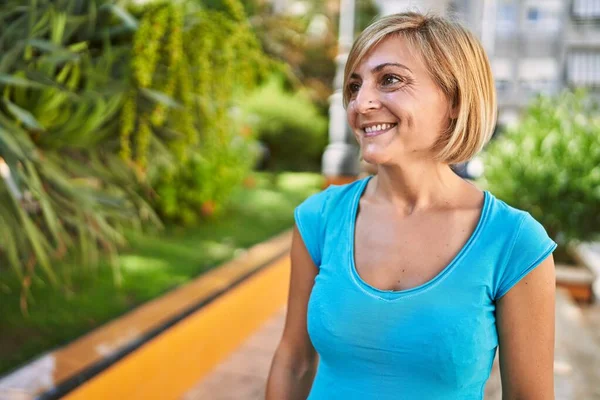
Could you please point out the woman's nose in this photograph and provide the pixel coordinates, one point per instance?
(366, 100)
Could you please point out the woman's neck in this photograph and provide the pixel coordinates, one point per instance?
(417, 187)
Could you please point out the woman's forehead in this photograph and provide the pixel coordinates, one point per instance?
(391, 50)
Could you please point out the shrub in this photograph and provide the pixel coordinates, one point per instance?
(96, 100)
(187, 64)
(60, 195)
(202, 185)
(549, 165)
(289, 124)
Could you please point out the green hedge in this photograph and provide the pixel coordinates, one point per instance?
(549, 165)
(203, 184)
(289, 124)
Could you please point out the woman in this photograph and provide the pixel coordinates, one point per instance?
(404, 284)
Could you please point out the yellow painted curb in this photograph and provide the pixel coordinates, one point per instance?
(170, 364)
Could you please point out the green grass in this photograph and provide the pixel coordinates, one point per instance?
(152, 265)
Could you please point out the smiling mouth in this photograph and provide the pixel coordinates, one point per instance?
(376, 130)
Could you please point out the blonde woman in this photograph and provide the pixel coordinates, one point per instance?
(404, 284)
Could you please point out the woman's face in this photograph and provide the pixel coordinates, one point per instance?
(395, 109)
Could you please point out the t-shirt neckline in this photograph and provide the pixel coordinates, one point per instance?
(396, 294)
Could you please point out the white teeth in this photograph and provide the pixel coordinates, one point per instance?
(377, 128)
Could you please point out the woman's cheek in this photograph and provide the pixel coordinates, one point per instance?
(350, 111)
(351, 114)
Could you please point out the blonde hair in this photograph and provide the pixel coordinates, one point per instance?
(456, 62)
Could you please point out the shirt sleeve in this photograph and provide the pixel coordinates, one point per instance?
(530, 247)
(309, 217)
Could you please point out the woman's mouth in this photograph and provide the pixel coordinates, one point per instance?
(376, 130)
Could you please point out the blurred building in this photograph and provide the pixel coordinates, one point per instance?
(536, 47)
(394, 6)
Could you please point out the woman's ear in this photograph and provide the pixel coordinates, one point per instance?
(454, 107)
(454, 112)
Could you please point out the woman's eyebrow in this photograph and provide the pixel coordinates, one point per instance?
(378, 68)
(384, 65)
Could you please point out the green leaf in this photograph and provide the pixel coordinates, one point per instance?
(84, 242)
(161, 98)
(8, 140)
(45, 80)
(9, 245)
(58, 24)
(45, 45)
(92, 17)
(11, 32)
(20, 82)
(38, 243)
(78, 47)
(121, 13)
(11, 57)
(49, 214)
(59, 57)
(23, 116)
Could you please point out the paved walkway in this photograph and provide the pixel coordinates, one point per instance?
(244, 374)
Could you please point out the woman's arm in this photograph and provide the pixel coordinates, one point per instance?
(525, 321)
(295, 361)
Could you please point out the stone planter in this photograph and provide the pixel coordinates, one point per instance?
(580, 280)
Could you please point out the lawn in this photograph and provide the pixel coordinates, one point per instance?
(151, 265)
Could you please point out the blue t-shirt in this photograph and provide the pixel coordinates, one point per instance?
(434, 341)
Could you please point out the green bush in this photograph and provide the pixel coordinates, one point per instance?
(549, 165)
(289, 124)
(93, 91)
(188, 63)
(203, 184)
(61, 195)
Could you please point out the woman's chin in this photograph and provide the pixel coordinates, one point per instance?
(375, 157)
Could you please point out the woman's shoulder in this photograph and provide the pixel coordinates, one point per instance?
(520, 225)
(315, 213)
(334, 196)
(503, 213)
(521, 240)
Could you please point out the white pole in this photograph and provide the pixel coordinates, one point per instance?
(341, 155)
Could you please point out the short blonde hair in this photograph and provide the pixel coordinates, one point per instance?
(458, 65)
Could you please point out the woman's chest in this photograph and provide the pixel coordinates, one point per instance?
(354, 316)
(399, 254)
(451, 335)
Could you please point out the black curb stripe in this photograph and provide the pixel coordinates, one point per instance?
(72, 383)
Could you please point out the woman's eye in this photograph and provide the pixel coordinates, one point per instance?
(353, 87)
(390, 80)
